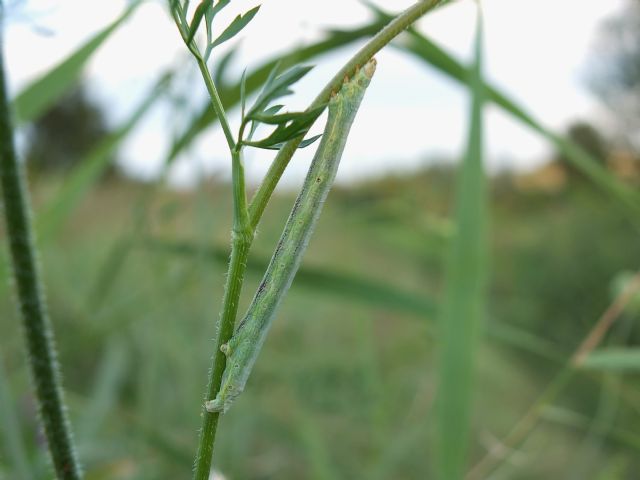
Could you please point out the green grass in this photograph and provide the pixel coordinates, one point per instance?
(343, 389)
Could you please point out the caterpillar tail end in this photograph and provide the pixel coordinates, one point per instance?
(216, 405)
(223, 401)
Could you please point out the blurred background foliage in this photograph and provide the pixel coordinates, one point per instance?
(64, 135)
(345, 387)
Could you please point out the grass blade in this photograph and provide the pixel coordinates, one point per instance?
(613, 359)
(235, 27)
(113, 368)
(36, 98)
(12, 435)
(464, 297)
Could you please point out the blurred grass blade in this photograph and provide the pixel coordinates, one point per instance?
(36, 98)
(115, 261)
(614, 359)
(399, 451)
(429, 52)
(4, 272)
(317, 280)
(110, 375)
(569, 418)
(243, 93)
(314, 445)
(509, 334)
(464, 299)
(14, 446)
(110, 269)
(90, 170)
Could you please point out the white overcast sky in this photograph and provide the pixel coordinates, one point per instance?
(535, 50)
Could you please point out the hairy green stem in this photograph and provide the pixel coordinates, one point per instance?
(233, 287)
(241, 225)
(37, 328)
(366, 53)
(242, 238)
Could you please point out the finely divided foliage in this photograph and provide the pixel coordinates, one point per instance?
(288, 125)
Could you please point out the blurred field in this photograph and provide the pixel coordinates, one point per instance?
(345, 385)
(373, 362)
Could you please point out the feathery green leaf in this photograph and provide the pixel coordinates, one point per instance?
(198, 15)
(235, 27)
(277, 119)
(278, 86)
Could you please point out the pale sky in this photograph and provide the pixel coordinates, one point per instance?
(535, 50)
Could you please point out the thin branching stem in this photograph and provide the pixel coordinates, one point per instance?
(216, 103)
(38, 333)
(242, 236)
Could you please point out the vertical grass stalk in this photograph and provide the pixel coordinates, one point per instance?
(37, 328)
(465, 294)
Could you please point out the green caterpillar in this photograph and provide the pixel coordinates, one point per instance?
(244, 347)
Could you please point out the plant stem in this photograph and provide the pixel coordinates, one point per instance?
(373, 46)
(37, 328)
(235, 277)
(241, 223)
(215, 99)
(242, 236)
